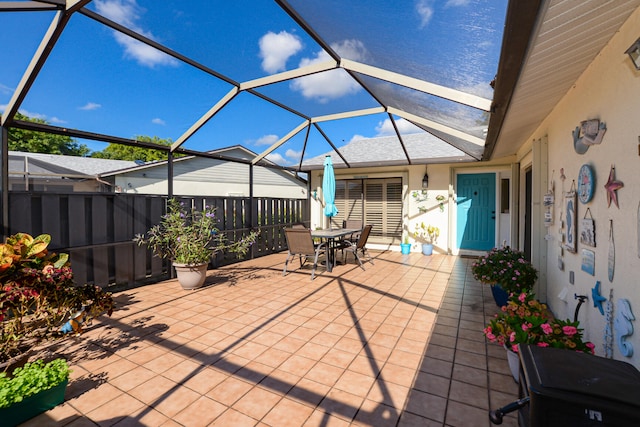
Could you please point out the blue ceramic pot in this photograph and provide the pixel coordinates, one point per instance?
(499, 295)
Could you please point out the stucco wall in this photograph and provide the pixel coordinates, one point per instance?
(609, 90)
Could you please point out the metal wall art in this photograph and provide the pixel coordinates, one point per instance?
(590, 132)
(570, 201)
(597, 299)
(588, 230)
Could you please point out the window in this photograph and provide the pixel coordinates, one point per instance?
(376, 201)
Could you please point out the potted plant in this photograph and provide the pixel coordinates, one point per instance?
(32, 389)
(38, 295)
(405, 246)
(507, 271)
(189, 237)
(428, 234)
(525, 320)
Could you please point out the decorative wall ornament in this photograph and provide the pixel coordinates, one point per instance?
(607, 340)
(597, 298)
(588, 261)
(623, 327)
(570, 201)
(588, 230)
(611, 260)
(586, 184)
(590, 132)
(612, 186)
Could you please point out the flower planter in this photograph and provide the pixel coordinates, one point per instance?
(405, 248)
(427, 248)
(500, 296)
(514, 364)
(191, 276)
(32, 406)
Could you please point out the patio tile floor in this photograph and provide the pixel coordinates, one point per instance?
(397, 344)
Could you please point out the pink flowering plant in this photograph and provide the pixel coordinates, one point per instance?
(506, 267)
(525, 320)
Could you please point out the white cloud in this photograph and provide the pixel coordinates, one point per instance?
(293, 155)
(332, 84)
(456, 3)
(276, 49)
(158, 121)
(276, 158)
(32, 115)
(266, 140)
(425, 11)
(57, 120)
(127, 13)
(385, 127)
(6, 89)
(89, 106)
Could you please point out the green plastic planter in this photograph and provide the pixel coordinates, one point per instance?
(33, 405)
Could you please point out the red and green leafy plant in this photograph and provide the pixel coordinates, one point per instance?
(525, 320)
(38, 295)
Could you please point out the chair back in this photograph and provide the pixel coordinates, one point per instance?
(364, 236)
(299, 241)
(352, 223)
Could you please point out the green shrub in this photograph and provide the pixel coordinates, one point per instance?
(31, 379)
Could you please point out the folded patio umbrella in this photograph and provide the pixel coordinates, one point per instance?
(329, 189)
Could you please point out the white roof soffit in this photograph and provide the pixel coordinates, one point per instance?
(567, 37)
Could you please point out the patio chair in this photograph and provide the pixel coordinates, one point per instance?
(358, 248)
(300, 243)
(352, 223)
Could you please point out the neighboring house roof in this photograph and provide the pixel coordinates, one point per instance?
(387, 151)
(235, 151)
(59, 164)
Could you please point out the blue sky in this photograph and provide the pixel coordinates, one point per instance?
(101, 81)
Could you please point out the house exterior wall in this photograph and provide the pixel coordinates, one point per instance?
(608, 90)
(206, 177)
(442, 179)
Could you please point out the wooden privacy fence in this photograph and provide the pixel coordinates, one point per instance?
(96, 229)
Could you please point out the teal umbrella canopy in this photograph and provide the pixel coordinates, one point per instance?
(329, 188)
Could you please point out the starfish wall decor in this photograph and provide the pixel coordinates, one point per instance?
(612, 186)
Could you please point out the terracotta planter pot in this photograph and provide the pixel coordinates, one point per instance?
(191, 276)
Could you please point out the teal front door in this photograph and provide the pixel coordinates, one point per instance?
(476, 211)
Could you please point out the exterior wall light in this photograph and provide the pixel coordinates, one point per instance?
(425, 179)
(634, 53)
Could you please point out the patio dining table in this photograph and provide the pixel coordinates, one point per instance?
(331, 235)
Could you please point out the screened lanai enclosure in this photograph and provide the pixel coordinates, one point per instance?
(290, 80)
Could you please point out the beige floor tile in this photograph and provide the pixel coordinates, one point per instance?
(288, 412)
(257, 402)
(229, 391)
(384, 345)
(461, 415)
